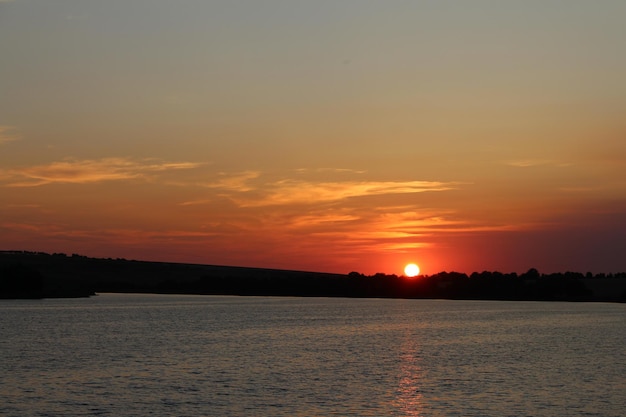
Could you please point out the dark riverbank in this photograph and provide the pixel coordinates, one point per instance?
(41, 275)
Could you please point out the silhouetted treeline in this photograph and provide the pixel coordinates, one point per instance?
(19, 281)
(37, 275)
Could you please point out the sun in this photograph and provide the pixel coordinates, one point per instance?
(411, 270)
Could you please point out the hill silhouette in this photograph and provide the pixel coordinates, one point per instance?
(41, 275)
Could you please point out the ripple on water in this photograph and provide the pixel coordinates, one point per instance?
(123, 355)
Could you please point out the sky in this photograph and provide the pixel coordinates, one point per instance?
(331, 136)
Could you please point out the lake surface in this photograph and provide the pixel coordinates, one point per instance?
(171, 355)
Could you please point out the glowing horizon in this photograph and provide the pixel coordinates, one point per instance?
(324, 136)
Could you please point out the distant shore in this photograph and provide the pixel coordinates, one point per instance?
(40, 275)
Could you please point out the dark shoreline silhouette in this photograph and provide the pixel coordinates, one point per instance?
(37, 275)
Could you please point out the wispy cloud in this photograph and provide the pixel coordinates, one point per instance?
(198, 202)
(402, 246)
(333, 211)
(7, 133)
(526, 163)
(248, 189)
(88, 171)
(286, 192)
(386, 229)
(23, 206)
(419, 224)
(238, 182)
(331, 170)
(118, 236)
(321, 220)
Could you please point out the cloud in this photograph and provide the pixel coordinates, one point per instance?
(88, 171)
(237, 182)
(22, 206)
(403, 246)
(388, 229)
(199, 202)
(323, 219)
(252, 189)
(118, 236)
(7, 133)
(417, 223)
(526, 163)
(330, 211)
(331, 170)
(286, 192)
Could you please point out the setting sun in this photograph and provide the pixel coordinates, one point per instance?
(411, 270)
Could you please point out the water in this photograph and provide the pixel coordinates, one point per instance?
(166, 355)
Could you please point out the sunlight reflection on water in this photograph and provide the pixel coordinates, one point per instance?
(409, 397)
(140, 355)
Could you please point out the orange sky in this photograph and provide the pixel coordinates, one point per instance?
(317, 135)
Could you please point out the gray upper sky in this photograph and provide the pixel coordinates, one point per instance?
(509, 113)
